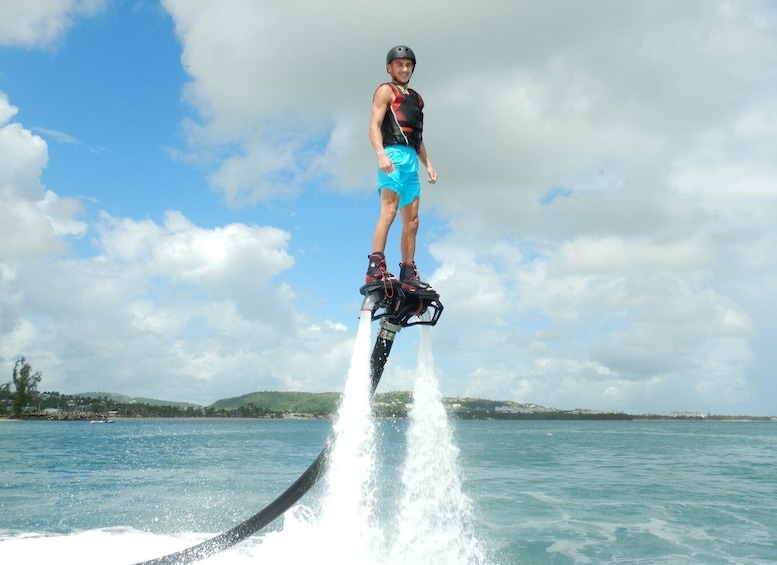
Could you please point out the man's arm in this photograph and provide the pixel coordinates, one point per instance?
(384, 96)
(423, 156)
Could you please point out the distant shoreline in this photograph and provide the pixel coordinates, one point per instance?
(524, 418)
(54, 406)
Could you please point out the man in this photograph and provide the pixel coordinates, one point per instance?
(396, 126)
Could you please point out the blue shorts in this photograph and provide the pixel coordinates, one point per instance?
(404, 179)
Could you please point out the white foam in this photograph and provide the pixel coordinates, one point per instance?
(434, 524)
(109, 545)
(347, 507)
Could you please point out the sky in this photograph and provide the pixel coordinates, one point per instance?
(188, 193)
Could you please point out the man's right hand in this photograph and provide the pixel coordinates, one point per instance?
(385, 164)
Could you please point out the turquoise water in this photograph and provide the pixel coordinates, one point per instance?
(542, 492)
(626, 492)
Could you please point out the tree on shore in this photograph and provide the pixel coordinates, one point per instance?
(5, 396)
(26, 384)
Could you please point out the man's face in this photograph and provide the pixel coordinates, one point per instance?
(400, 69)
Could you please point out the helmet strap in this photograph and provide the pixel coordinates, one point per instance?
(402, 87)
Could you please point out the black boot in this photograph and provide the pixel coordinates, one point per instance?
(408, 276)
(376, 271)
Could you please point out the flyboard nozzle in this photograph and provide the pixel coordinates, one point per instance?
(388, 331)
(371, 300)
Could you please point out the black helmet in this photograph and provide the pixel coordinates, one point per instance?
(400, 52)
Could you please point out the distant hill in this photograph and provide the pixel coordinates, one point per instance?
(303, 402)
(323, 403)
(386, 403)
(124, 399)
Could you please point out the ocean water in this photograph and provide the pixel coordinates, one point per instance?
(541, 492)
(423, 490)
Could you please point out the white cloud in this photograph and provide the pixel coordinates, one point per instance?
(40, 23)
(59, 136)
(32, 220)
(165, 306)
(170, 309)
(591, 319)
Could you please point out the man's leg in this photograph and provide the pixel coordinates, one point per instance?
(407, 270)
(389, 200)
(409, 230)
(377, 270)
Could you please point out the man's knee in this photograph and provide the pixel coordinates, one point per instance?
(389, 203)
(388, 213)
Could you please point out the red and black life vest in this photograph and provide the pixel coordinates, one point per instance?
(403, 123)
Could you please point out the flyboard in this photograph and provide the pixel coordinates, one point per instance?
(396, 306)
